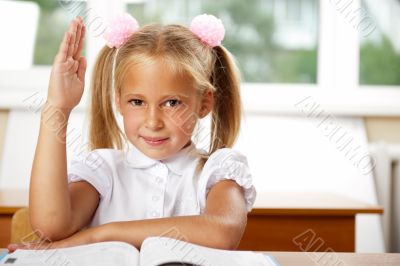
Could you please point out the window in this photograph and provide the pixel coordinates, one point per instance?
(53, 21)
(286, 49)
(380, 46)
(274, 41)
(293, 10)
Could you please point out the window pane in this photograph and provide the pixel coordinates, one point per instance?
(273, 40)
(54, 19)
(380, 44)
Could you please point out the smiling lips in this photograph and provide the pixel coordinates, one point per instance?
(154, 141)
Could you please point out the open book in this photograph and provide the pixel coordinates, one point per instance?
(155, 251)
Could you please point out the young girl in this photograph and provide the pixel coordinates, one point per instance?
(148, 179)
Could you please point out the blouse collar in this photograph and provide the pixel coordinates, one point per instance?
(176, 163)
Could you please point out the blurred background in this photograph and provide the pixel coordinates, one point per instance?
(321, 91)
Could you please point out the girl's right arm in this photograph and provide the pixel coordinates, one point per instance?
(57, 209)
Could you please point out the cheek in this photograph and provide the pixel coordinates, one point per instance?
(132, 120)
(184, 121)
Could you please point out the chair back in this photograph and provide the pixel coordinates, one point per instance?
(21, 230)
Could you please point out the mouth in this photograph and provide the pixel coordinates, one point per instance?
(154, 141)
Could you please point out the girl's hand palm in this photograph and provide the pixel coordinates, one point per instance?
(67, 78)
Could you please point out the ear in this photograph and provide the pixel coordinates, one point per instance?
(207, 103)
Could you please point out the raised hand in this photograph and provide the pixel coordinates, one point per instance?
(67, 78)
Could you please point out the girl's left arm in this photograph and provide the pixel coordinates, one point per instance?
(221, 225)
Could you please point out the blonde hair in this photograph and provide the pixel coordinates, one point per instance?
(210, 68)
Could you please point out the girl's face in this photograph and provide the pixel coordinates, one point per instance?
(160, 109)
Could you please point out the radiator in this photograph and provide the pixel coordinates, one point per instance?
(387, 180)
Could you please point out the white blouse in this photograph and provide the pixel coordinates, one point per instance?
(133, 186)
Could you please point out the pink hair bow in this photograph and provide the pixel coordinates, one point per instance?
(209, 29)
(120, 29)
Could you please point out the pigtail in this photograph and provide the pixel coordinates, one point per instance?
(226, 115)
(103, 130)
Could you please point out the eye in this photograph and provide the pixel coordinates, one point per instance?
(136, 102)
(173, 103)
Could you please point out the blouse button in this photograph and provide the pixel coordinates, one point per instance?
(160, 166)
(154, 213)
(155, 198)
(161, 169)
(159, 180)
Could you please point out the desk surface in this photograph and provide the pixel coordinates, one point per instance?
(331, 259)
(309, 203)
(338, 258)
(280, 203)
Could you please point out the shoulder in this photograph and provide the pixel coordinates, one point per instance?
(96, 167)
(226, 161)
(227, 164)
(226, 155)
(98, 158)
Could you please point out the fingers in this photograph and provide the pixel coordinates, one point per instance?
(72, 31)
(70, 65)
(72, 43)
(76, 32)
(79, 38)
(31, 245)
(80, 45)
(13, 247)
(63, 50)
(82, 69)
(78, 67)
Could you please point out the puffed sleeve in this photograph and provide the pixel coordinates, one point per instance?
(93, 168)
(225, 164)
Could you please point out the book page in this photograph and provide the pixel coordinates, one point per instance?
(159, 250)
(99, 254)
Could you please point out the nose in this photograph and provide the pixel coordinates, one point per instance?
(154, 120)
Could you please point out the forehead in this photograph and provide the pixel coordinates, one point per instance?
(156, 78)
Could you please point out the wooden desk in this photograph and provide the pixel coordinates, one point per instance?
(291, 221)
(331, 259)
(335, 259)
(276, 219)
(10, 202)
